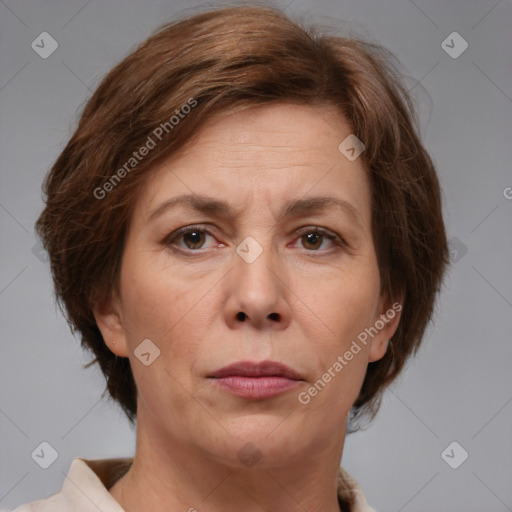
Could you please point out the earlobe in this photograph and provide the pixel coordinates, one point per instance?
(107, 314)
(377, 350)
(386, 325)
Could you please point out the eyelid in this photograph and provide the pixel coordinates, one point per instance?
(168, 239)
(322, 231)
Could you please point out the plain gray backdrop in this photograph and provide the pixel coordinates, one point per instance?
(458, 389)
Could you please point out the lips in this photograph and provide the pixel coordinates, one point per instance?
(256, 381)
(263, 369)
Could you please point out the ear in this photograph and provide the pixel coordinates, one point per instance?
(385, 325)
(108, 315)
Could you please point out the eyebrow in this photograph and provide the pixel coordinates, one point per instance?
(294, 208)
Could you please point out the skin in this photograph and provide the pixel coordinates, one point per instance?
(304, 300)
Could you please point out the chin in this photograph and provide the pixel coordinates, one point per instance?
(265, 439)
(255, 425)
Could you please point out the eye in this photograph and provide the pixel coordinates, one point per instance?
(193, 238)
(313, 238)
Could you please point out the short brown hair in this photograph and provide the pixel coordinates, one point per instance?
(222, 61)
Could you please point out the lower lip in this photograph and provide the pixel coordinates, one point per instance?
(256, 387)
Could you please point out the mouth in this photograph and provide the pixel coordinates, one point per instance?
(256, 381)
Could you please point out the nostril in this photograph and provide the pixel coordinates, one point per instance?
(241, 316)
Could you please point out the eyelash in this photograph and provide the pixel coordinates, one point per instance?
(170, 239)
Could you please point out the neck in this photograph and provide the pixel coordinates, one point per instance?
(173, 475)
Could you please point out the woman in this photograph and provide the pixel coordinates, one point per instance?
(246, 231)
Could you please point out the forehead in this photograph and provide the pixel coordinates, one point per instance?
(272, 153)
(277, 134)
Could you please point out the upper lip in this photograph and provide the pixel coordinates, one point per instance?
(261, 369)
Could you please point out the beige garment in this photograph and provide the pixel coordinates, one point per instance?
(85, 489)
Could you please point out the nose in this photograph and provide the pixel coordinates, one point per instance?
(258, 294)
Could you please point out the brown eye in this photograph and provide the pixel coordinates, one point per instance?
(193, 239)
(189, 238)
(312, 240)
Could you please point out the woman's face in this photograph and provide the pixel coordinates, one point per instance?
(267, 272)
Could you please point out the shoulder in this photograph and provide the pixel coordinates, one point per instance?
(350, 494)
(85, 489)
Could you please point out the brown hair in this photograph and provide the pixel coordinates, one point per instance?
(222, 61)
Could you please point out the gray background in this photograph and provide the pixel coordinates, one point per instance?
(458, 389)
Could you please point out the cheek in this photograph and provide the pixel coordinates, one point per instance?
(340, 305)
(157, 298)
(169, 310)
(174, 311)
(345, 305)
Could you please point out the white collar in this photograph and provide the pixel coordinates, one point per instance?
(85, 489)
